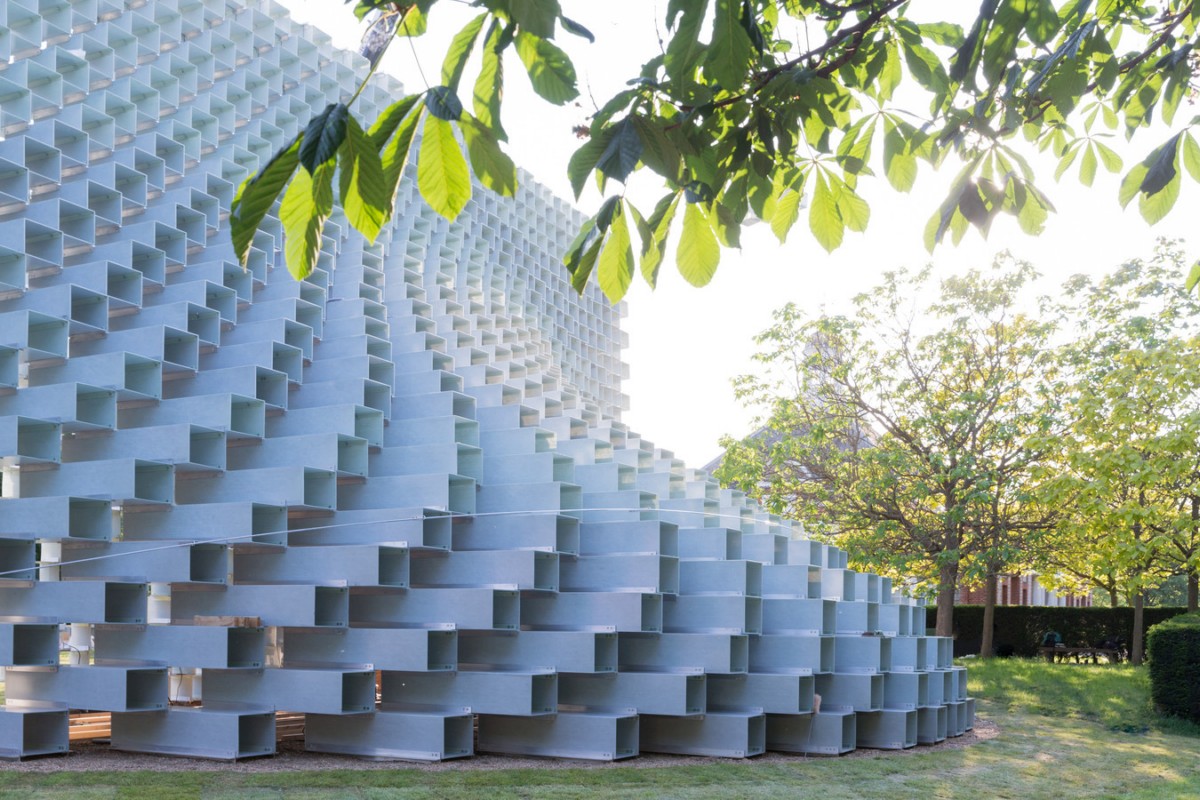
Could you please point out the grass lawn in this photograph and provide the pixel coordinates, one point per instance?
(1066, 730)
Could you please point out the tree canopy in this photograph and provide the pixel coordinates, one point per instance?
(954, 430)
(762, 109)
(907, 431)
(1127, 459)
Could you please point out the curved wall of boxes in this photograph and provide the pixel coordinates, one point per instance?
(397, 497)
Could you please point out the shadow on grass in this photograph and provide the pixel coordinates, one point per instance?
(1115, 695)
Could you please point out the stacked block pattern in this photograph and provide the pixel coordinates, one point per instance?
(402, 487)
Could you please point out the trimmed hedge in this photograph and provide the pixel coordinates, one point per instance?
(1174, 650)
(1021, 627)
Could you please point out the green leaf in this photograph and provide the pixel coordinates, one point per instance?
(1033, 212)
(1067, 160)
(257, 194)
(364, 191)
(685, 50)
(891, 74)
(899, 164)
(1153, 207)
(490, 164)
(489, 85)
(946, 34)
(1109, 158)
(698, 252)
(731, 54)
(1043, 23)
(1087, 166)
(571, 26)
(571, 258)
(853, 209)
(550, 70)
(824, 219)
(414, 23)
(965, 60)
(615, 269)
(584, 266)
(306, 205)
(623, 151)
(385, 125)
(583, 160)
(1003, 37)
(535, 16)
(443, 103)
(1193, 277)
(1191, 156)
(654, 244)
(854, 151)
(605, 215)
(395, 155)
(926, 68)
(659, 153)
(442, 174)
(1161, 169)
(1131, 183)
(727, 228)
(787, 211)
(323, 136)
(459, 51)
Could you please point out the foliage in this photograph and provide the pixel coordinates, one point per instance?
(1128, 465)
(1022, 627)
(905, 431)
(1174, 648)
(741, 122)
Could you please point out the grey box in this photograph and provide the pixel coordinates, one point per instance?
(26, 732)
(590, 736)
(386, 734)
(216, 733)
(725, 734)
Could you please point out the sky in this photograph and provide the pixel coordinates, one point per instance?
(687, 344)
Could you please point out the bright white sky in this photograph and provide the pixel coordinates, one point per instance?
(686, 344)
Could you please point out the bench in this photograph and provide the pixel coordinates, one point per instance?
(1061, 654)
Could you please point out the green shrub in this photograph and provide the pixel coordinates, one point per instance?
(1174, 650)
(1022, 627)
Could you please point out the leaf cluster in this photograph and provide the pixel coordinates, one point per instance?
(774, 110)
(368, 164)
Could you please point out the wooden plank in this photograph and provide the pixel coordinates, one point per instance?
(227, 621)
(92, 725)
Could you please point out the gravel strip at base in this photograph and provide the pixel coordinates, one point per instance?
(96, 757)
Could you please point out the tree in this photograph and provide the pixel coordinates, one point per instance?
(1132, 391)
(904, 432)
(751, 125)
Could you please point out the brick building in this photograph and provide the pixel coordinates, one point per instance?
(1021, 590)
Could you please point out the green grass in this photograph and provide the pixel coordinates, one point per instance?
(1117, 696)
(1065, 730)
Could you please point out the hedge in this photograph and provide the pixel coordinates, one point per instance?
(1021, 627)
(1174, 650)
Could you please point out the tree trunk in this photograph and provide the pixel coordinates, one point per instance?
(987, 646)
(1139, 623)
(947, 583)
(1193, 573)
(1113, 600)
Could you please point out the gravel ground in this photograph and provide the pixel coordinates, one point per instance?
(97, 757)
